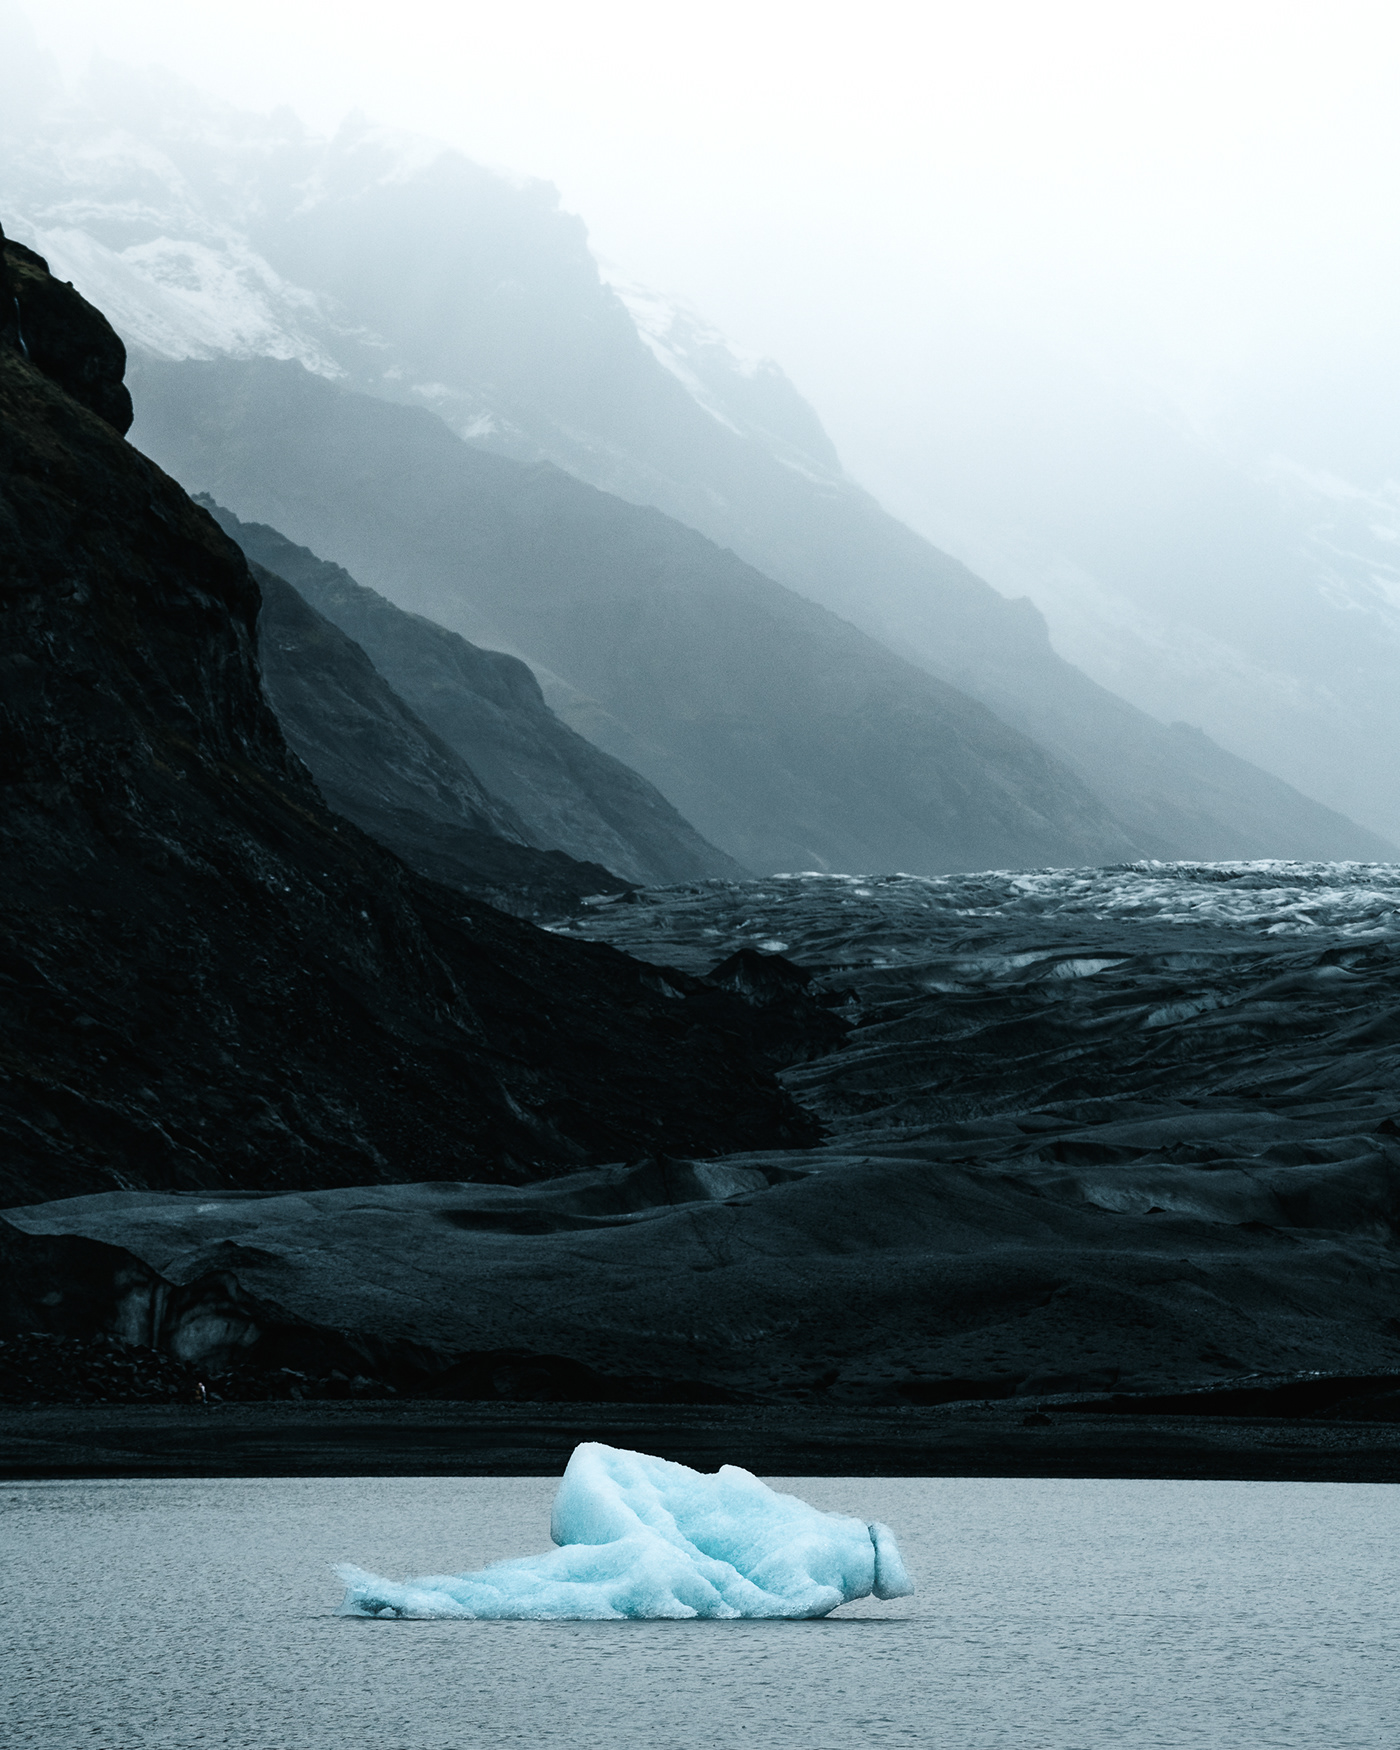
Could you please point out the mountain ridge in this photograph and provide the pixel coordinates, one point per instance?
(562, 794)
(379, 765)
(783, 734)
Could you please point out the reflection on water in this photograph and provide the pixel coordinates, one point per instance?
(1059, 1614)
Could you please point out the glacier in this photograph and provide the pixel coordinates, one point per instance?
(643, 1537)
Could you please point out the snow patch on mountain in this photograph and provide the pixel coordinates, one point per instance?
(178, 298)
(169, 212)
(676, 337)
(743, 391)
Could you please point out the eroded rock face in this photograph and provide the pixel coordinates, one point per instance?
(209, 979)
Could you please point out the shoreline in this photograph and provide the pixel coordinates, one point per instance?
(53, 1442)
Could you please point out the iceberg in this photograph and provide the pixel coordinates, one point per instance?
(642, 1537)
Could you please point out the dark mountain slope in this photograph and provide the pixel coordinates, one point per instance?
(786, 736)
(1176, 792)
(559, 789)
(380, 765)
(210, 980)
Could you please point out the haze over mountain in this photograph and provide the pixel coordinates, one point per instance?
(378, 764)
(210, 234)
(411, 773)
(783, 734)
(1241, 579)
(1097, 301)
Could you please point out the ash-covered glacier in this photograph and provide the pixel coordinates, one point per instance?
(642, 1537)
(1130, 1129)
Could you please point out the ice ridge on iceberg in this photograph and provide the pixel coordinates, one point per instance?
(643, 1537)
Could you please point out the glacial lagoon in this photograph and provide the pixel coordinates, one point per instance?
(1050, 1615)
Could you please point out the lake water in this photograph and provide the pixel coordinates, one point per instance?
(1063, 1614)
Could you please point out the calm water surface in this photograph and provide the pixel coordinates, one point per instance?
(1061, 1614)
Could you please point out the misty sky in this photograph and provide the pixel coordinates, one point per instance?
(905, 204)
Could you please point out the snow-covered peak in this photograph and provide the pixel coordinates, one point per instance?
(142, 198)
(178, 298)
(391, 262)
(182, 219)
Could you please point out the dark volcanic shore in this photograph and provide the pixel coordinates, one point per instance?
(472, 1439)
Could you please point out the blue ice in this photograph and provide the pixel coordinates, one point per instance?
(642, 1537)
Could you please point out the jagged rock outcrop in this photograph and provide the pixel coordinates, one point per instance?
(377, 763)
(559, 791)
(208, 978)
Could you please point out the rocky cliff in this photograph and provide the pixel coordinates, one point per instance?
(58, 332)
(209, 979)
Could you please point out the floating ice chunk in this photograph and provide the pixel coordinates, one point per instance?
(642, 1537)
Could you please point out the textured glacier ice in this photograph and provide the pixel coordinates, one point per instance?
(642, 1537)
